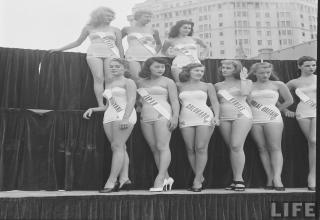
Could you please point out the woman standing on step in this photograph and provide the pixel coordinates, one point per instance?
(105, 44)
(196, 120)
(305, 87)
(183, 47)
(118, 122)
(159, 116)
(143, 41)
(267, 121)
(235, 116)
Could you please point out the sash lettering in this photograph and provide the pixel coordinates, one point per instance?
(155, 104)
(225, 94)
(144, 43)
(304, 98)
(270, 112)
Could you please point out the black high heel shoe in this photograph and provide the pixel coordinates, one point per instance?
(115, 188)
(127, 185)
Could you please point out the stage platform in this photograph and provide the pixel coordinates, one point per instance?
(210, 204)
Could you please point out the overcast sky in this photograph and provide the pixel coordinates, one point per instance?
(47, 24)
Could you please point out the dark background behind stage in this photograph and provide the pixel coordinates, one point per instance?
(61, 150)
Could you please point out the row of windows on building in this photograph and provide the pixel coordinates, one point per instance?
(258, 5)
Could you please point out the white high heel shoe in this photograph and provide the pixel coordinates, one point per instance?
(160, 189)
(170, 182)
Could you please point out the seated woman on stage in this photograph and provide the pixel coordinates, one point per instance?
(196, 120)
(183, 47)
(159, 116)
(118, 122)
(305, 87)
(267, 121)
(143, 41)
(235, 116)
(105, 44)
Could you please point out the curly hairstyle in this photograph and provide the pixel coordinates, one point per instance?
(254, 68)
(125, 65)
(138, 14)
(184, 76)
(237, 67)
(145, 71)
(303, 59)
(97, 16)
(174, 31)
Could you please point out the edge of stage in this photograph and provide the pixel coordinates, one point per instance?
(210, 204)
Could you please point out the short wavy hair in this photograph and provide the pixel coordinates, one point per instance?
(145, 71)
(125, 65)
(138, 14)
(184, 76)
(174, 31)
(237, 67)
(254, 68)
(97, 16)
(303, 59)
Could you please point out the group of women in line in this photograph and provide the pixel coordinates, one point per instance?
(238, 104)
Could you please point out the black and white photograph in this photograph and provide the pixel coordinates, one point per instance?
(158, 109)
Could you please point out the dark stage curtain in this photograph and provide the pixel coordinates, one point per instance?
(60, 150)
(65, 80)
(235, 206)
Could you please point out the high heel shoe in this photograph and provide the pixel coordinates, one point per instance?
(160, 189)
(127, 185)
(169, 184)
(115, 188)
(311, 188)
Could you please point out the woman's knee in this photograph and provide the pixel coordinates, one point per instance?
(262, 149)
(274, 147)
(236, 147)
(162, 147)
(201, 148)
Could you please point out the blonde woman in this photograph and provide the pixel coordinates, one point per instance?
(267, 121)
(235, 116)
(105, 44)
(118, 122)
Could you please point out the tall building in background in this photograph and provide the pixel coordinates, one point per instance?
(239, 28)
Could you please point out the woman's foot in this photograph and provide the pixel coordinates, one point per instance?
(108, 188)
(169, 183)
(125, 185)
(239, 186)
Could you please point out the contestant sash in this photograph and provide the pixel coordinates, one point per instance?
(240, 107)
(304, 98)
(154, 103)
(112, 103)
(265, 109)
(143, 42)
(199, 112)
(110, 43)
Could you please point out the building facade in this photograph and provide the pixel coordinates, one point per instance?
(239, 26)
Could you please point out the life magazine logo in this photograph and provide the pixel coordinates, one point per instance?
(292, 210)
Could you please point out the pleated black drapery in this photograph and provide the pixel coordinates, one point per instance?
(61, 150)
(152, 207)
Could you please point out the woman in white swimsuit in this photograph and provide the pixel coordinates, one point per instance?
(118, 122)
(196, 119)
(305, 87)
(183, 47)
(105, 44)
(267, 121)
(143, 42)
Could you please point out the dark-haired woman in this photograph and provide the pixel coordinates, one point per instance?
(183, 47)
(159, 116)
(118, 122)
(143, 41)
(267, 121)
(305, 87)
(196, 120)
(235, 116)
